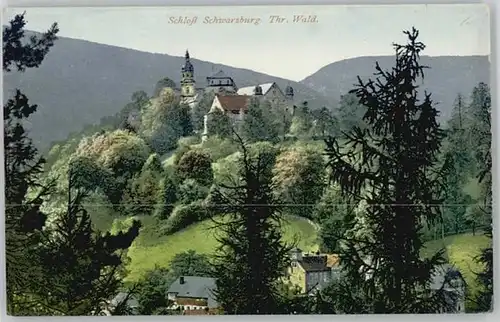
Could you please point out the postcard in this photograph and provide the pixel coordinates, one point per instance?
(247, 160)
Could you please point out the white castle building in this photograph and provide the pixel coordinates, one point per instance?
(229, 98)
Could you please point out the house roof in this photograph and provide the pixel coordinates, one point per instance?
(120, 297)
(219, 74)
(314, 263)
(195, 287)
(444, 273)
(249, 90)
(233, 102)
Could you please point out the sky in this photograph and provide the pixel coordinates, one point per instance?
(289, 50)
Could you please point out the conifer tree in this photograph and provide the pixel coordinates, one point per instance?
(390, 168)
(252, 256)
(82, 268)
(480, 110)
(23, 166)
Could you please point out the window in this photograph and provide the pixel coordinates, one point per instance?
(235, 111)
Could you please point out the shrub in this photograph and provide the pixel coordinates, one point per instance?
(190, 190)
(185, 215)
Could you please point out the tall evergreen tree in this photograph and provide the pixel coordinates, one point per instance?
(252, 256)
(390, 169)
(480, 109)
(23, 166)
(82, 269)
(457, 152)
(350, 112)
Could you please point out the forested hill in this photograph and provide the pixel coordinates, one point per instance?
(446, 76)
(80, 82)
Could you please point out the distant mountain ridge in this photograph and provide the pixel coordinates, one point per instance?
(80, 82)
(446, 77)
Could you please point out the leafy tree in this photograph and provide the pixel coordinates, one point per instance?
(184, 215)
(299, 179)
(166, 198)
(81, 268)
(350, 112)
(197, 165)
(190, 190)
(252, 256)
(391, 168)
(325, 123)
(219, 124)
(129, 117)
(162, 84)
(120, 153)
(331, 212)
(302, 121)
(259, 124)
(219, 148)
(165, 121)
(23, 218)
(190, 263)
(151, 291)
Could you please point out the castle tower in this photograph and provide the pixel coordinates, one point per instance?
(257, 90)
(188, 89)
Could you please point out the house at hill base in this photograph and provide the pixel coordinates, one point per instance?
(193, 295)
(128, 301)
(312, 272)
(451, 281)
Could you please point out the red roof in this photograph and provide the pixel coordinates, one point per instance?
(234, 102)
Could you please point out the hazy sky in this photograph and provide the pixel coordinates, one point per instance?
(289, 50)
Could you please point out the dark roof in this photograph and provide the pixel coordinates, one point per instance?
(233, 102)
(120, 297)
(188, 67)
(195, 287)
(314, 263)
(219, 74)
(443, 274)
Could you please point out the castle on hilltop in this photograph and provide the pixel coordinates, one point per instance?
(229, 98)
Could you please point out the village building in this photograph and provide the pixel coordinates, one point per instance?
(129, 301)
(311, 272)
(450, 280)
(193, 293)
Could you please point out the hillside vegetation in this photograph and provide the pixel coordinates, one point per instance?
(137, 200)
(74, 68)
(151, 250)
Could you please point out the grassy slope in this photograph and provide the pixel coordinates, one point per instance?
(150, 250)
